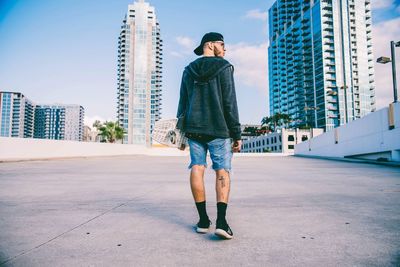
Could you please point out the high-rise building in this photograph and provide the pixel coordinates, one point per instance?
(49, 122)
(20, 117)
(16, 115)
(74, 116)
(321, 69)
(139, 73)
(60, 122)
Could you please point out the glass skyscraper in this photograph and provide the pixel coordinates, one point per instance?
(49, 122)
(16, 115)
(139, 73)
(321, 69)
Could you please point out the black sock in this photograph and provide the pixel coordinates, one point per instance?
(201, 209)
(221, 209)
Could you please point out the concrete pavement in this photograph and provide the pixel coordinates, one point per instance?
(138, 211)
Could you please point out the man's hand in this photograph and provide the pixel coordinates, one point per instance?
(237, 145)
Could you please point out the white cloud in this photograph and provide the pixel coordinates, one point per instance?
(251, 64)
(378, 4)
(186, 42)
(256, 14)
(383, 33)
(89, 120)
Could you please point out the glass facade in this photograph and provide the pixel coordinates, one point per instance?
(139, 74)
(320, 61)
(6, 112)
(16, 115)
(19, 117)
(49, 122)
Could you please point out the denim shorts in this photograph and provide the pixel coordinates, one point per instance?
(220, 153)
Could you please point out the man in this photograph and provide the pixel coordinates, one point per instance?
(208, 114)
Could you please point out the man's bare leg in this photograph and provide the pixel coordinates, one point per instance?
(197, 183)
(199, 196)
(222, 186)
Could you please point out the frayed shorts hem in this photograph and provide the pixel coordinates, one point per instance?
(214, 168)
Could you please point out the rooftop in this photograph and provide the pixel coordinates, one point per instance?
(138, 211)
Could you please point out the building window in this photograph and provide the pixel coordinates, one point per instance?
(290, 138)
(304, 138)
(290, 146)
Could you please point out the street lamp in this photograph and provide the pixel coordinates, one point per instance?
(384, 60)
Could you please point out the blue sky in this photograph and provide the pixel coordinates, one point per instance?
(65, 51)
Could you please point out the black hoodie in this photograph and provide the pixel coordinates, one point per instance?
(207, 103)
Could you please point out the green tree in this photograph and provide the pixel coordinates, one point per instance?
(110, 131)
(97, 124)
(250, 129)
(275, 121)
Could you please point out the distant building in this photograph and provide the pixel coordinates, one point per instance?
(139, 73)
(321, 69)
(59, 122)
(16, 115)
(20, 117)
(278, 142)
(90, 135)
(49, 122)
(74, 116)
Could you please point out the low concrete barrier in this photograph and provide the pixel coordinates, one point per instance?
(375, 137)
(19, 149)
(12, 149)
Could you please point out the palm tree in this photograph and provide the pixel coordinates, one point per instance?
(266, 124)
(278, 119)
(110, 131)
(285, 119)
(97, 124)
(265, 121)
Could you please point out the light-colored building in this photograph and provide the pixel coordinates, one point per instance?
(139, 73)
(16, 115)
(74, 116)
(282, 141)
(90, 135)
(321, 69)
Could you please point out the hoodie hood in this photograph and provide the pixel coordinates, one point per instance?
(206, 68)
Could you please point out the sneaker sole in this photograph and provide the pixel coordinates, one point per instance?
(223, 234)
(202, 230)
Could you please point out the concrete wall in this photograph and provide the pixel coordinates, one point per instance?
(28, 148)
(367, 138)
(15, 149)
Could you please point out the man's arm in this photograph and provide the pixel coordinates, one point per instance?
(182, 101)
(230, 104)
